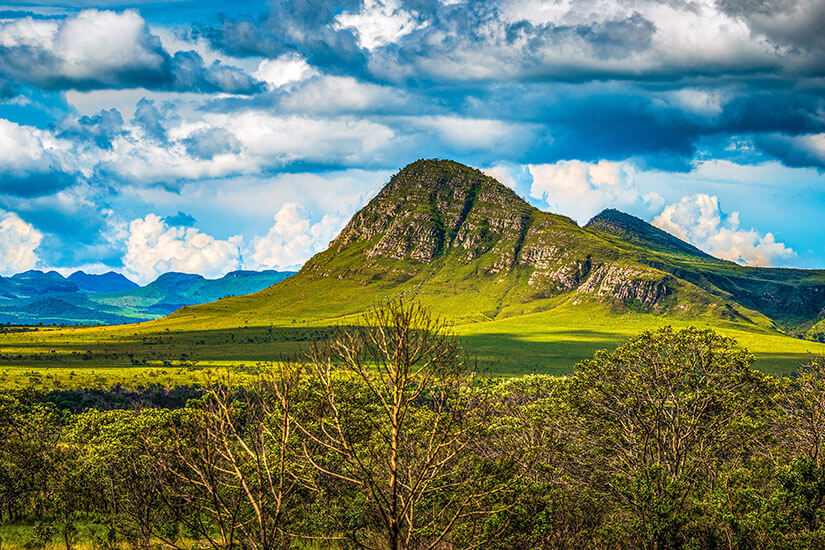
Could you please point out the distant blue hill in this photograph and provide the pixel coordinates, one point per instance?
(108, 282)
(36, 297)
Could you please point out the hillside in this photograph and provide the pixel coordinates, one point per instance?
(526, 289)
(473, 250)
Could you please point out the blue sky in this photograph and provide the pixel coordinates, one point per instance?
(208, 136)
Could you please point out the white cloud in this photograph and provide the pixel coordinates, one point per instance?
(18, 242)
(502, 174)
(20, 146)
(702, 102)
(99, 46)
(154, 248)
(98, 43)
(91, 102)
(477, 133)
(581, 189)
(379, 23)
(292, 240)
(261, 140)
(631, 38)
(699, 220)
(331, 94)
(283, 70)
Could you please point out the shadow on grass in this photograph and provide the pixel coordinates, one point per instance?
(554, 352)
(508, 355)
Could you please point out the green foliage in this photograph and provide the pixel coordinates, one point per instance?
(672, 440)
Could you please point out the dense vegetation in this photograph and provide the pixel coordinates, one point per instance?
(382, 437)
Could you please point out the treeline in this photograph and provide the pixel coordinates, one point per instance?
(382, 438)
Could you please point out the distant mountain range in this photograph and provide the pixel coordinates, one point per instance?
(35, 297)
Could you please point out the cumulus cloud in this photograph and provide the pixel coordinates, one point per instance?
(336, 94)
(21, 147)
(526, 39)
(502, 174)
(581, 189)
(106, 49)
(18, 243)
(699, 220)
(468, 133)
(153, 248)
(32, 161)
(283, 70)
(152, 150)
(292, 240)
(380, 22)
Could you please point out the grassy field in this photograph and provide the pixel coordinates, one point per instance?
(552, 342)
(549, 342)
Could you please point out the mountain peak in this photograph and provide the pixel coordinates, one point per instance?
(468, 246)
(639, 232)
(431, 207)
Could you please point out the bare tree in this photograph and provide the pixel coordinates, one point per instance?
(234, 460)
(396, 420)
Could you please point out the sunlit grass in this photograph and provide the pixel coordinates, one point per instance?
(165, 353)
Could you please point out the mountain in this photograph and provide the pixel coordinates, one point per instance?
(107, 282)
(639, 232)
(39, 283)
(525, 290)
(35, 297)
(173, 290)
(473, 250)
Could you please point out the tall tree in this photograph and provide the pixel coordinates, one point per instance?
(661, 415)
(393, 420)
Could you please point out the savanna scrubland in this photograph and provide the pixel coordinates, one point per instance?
(382, 436)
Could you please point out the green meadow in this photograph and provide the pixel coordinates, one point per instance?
(548, 342)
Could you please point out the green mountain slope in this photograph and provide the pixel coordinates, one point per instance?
(637, 231)
(473, 250)
(793, 298)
